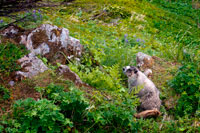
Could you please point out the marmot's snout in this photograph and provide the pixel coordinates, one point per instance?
(129, 71)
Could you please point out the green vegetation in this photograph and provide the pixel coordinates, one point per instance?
(64, 111)
(4, 93)
(112, 32)
(9, 54)
(187, 83)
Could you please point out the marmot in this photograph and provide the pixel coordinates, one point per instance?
(149, 94)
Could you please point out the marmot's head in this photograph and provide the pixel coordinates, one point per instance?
(130, 71)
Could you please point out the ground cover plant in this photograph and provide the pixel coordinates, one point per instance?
(11, 53)
(112, 32)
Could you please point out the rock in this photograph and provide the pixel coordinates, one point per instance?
(49, 41)
(11, 83)
(11, 31)
(144, 61)
(148, 72)
(31, 66)
(70, 75)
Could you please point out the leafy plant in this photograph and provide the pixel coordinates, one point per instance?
(186, 83)
(36, 116)
(107, 78)
(116, 115)
(73, 105)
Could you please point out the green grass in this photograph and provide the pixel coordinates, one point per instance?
(162, 30)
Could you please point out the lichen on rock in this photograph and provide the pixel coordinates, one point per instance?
(31, 66)
(47, 41)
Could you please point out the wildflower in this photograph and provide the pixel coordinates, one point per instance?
(134, 36)
(117, 38)
(126, 40)
(125, 35)
(39, 11)
(138, 40)
(34, 11)
(1, 21)
(143, 41)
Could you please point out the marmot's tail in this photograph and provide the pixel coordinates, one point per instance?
(148, 113)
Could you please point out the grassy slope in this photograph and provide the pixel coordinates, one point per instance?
(165, 30)
(162, 30)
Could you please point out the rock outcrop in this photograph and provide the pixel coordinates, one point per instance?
(47, 41)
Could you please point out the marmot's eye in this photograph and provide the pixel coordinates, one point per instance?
(135, 71)
(129, 71)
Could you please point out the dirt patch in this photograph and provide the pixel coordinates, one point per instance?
(170, 103)
(163, 71)
(21, 90)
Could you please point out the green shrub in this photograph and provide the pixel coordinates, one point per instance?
(121, 51)
(9, 54)
(72, 103)
(186, 83)
(36, 116)
(115, 116)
